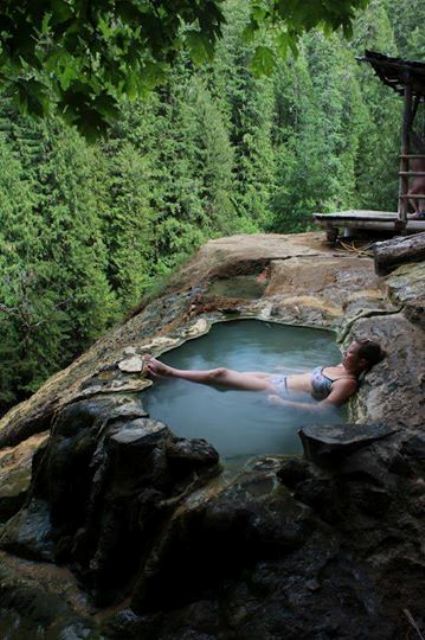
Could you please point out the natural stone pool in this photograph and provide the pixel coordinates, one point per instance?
(242, 423)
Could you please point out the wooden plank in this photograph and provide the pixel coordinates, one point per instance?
(360, 216)
(343, 218)
(368, 220)
(411, 173)
(368, 225)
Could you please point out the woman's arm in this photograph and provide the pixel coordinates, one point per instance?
(342, 390)
(305, 406)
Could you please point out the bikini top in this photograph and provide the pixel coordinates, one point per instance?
(321, 384)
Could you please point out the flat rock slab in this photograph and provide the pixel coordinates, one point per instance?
(134, 364)
(220, 256)
(140, 433)
(325, 444)
(321, 291)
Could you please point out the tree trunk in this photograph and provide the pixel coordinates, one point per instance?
(389, 254)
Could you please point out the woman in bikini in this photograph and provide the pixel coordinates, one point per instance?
(329, 385)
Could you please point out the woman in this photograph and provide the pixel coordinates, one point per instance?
(330, 385)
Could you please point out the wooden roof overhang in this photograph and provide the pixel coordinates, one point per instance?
(397, 73)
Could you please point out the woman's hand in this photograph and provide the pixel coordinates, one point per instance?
(276, 400)
(316, 407)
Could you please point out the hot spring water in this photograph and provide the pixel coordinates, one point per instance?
(242, 423)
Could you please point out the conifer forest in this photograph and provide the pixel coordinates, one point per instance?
(90, 227)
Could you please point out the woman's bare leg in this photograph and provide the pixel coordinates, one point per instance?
(251, 381)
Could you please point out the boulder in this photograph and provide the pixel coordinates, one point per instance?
(250, 561)
(389, 254)
(406, 288)
(101, 489)
(28, 532)
(392, 391)
(328, 445)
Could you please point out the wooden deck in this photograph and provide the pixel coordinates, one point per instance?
(341, 222)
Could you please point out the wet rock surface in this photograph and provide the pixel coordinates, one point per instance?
(301, 553)
(131, 532)
(15, 474)
(39, 600)
(102, 489)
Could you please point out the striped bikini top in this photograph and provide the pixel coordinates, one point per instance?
(321, 384)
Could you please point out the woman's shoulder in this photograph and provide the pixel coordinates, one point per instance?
(348, 382)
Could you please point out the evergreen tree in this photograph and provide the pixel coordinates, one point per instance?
(250, 104)
(317, 129)
(22, 311)
(214, 162)
(178, 204)
(124, 202)
(55, 296)
(408, 19)
(377, 164)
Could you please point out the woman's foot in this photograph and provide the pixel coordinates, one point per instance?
(158, 369)
(419, 215)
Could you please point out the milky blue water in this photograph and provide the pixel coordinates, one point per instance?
(241, 424)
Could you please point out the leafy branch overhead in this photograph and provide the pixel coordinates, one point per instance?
(82, 56)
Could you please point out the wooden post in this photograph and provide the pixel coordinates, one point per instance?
(404, 159)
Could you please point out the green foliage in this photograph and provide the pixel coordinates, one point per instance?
(408, 24)
(55, 298)
(123, 199)
(82, 57)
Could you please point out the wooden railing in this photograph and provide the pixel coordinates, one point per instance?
(405, 174)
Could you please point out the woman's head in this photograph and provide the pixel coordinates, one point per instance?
(370, 351)
(362, 355)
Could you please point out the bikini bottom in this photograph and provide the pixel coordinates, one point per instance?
(280, 384)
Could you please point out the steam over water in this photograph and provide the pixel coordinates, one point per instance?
(242, 423)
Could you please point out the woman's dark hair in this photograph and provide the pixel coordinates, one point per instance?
(371, 351)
